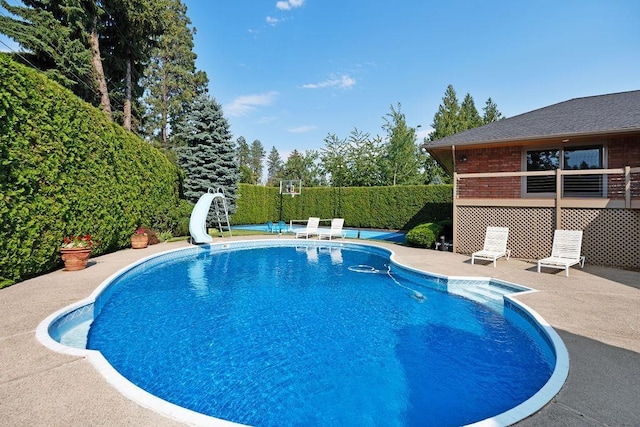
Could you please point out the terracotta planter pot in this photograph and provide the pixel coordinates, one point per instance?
(75, 258)
(139, 241)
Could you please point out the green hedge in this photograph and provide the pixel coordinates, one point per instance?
(425, 235)
(65, 170)
(397, 208)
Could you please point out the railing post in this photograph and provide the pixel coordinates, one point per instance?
(558, 198)
(454, 220)
(627, 187)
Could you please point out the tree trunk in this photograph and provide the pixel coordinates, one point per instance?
(127, 101)
(164, 107)
(96, 61)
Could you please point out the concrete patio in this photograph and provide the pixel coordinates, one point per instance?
(596, 311)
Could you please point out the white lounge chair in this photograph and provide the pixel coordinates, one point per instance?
(565, 251)
(311, 229)
(335, 231)
(495, 245)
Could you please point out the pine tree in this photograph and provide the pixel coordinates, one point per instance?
(365, 160)
(208, 155)
(446, 121)
(401, 151)
(452, 118)
(274, 167)
(491, 113)
(257, 155)
(304, 167)
(334, 161)
(469, 117)
(130, 33)
(170, 79)
(243, 155)
(242, 151)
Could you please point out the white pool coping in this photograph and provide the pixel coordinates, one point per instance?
(525, 409)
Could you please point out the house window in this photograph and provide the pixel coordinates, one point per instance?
(582, 185)
(569, 158)
(542, 160)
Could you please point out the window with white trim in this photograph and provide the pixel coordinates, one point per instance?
(566, 158)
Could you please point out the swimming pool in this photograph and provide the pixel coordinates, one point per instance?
(351, 233)
(397, 334)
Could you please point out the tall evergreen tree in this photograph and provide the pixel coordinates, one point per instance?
(491, 112)
(452, 118)
(366, 160)
(401, 151)
(334, 160)
(303, 166)
(469, 117)
(130, 33)
(257, 155)
(274, 167)
(242, 151)
(208, 156)
(446, 120)
(171, 80)
(243, 155)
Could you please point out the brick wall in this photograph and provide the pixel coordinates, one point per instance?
(503, 159)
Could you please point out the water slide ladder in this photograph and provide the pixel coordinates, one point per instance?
(198, 221)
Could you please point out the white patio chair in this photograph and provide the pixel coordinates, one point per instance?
(495, 245)
(335, 231)
(311, 229)
(565, 252)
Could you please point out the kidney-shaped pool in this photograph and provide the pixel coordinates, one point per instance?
(274, 333)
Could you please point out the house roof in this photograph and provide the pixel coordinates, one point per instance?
(608, 114)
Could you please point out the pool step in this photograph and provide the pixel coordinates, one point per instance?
(482, 293)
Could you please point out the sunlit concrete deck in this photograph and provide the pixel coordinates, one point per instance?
(596, 311)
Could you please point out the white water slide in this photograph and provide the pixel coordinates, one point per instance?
(198, 220)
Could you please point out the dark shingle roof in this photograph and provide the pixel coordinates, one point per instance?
(616, 112)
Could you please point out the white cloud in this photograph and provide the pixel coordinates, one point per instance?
(302, 129)
(273, 21)
(245, 104)
(343, 81)
(289, 4)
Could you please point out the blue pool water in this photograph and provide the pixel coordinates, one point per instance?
(351, 233)
(292, 336)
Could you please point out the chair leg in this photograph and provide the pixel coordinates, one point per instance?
(538, 267)
(566, 271)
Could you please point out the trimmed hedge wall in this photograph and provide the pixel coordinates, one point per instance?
(394, 208)
(66, 170)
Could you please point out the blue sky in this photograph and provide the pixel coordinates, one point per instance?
(288, 73)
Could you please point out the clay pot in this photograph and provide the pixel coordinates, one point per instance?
(75, 258)
(139, 241)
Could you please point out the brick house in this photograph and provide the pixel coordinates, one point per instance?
(571, 165)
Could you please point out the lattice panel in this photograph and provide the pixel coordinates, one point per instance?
(530, 229)
(611, 236)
